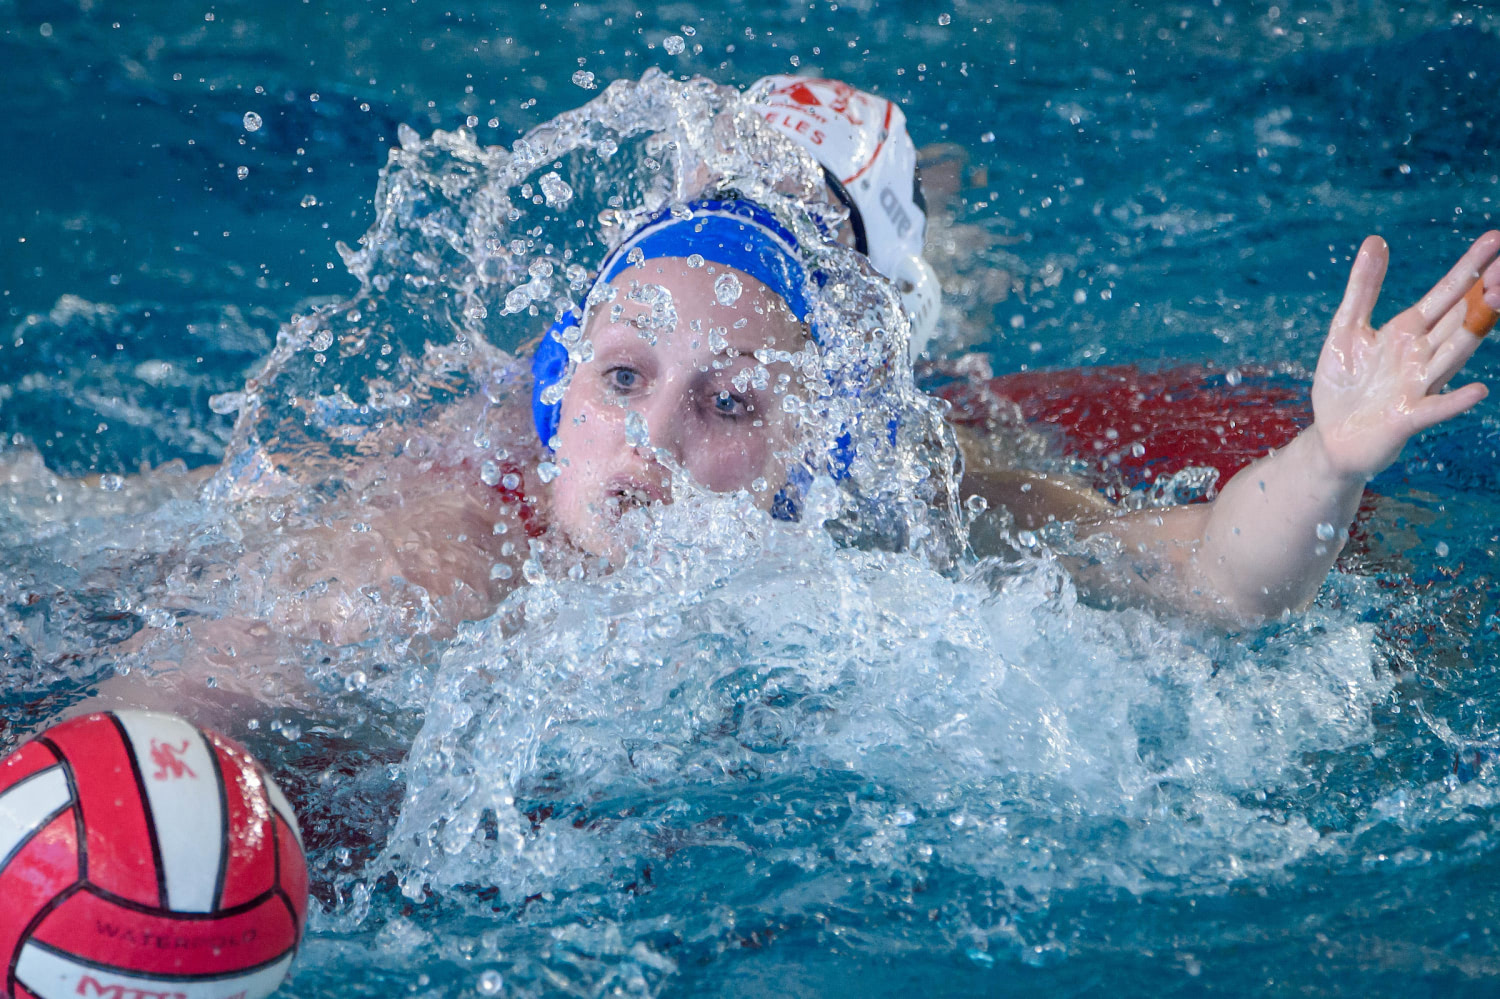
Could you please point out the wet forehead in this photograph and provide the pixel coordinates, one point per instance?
(698, 299)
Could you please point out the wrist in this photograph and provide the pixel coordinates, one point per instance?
(1323, 461)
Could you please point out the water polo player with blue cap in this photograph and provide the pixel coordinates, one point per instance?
(685, 345)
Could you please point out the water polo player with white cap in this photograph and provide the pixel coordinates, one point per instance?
(867, 156)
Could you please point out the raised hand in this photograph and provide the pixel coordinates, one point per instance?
(1375, 389)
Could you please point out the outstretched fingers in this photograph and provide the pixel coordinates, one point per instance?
(1360, 294)
(1434, 409)
(1456, 284)
(1450, 353)
(1456, 335)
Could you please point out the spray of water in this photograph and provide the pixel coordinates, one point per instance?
(810, 720)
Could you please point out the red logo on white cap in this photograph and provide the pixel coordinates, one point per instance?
(843, 95)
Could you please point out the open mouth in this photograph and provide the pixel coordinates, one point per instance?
(630, 496)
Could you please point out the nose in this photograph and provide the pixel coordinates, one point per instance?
(657, 424)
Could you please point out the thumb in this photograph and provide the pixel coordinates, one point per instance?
(1365, 279)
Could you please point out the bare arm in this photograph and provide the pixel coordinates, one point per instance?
(1266, 544)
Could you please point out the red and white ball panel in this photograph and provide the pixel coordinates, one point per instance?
(184, 798)
(140, 855)
(50, 975)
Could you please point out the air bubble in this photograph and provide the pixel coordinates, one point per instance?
(1326, 531)
(546, 471)
(945, 19)
(309, 200)
(489, 473)
(242, 172)
(490, 983)
(673, 44)
(252, 121)
(583, 78)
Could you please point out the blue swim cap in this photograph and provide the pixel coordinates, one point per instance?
(738, 234)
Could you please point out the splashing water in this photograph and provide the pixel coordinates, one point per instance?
(751, 730)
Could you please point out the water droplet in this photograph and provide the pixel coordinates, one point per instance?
(1232, 377)
(242, 172)
(490, 983)
(309, 200)
(673, 44)
(1440, 549)
(1080, 296)
(556, 191)
(727, 289)
(583, 78)
(511, 481)
(987, 137)
(322, 340)
(252, 121)
(356, 681)
(489, 473)
(111, 483)
(501, 571)
(945, 19)
(637, 434)
(547, 471)
(1325, 531)
(695, 260)
(532, 572)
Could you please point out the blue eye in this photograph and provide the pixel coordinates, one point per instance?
(728, 405)
(623, 379)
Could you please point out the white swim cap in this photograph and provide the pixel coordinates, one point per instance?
(862, 143)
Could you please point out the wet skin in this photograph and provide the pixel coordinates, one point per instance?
(700, 408)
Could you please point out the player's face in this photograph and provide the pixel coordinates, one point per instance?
(691, 393)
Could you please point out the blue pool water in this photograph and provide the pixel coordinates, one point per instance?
(780, 766)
